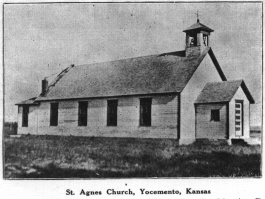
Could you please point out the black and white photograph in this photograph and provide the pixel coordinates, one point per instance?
(116, 90)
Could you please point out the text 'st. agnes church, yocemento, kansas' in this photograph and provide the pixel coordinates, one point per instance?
(182, 95)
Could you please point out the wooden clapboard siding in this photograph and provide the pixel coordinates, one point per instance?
(129, 112)
(165, 111)
(205, 128)
(164, 118)
(206, 72)
(68, 113)
(32, 121)
(97, 113)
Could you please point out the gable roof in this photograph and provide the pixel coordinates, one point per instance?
(30, 101)
(222, 92)
(198, 26)
(162, 73)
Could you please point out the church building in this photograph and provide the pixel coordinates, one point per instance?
(182, 95)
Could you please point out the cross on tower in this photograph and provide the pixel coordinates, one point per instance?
(197, 16)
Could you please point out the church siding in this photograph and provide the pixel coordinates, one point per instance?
(32, 120)
(206, 72)
(164, 115)
(206, 127)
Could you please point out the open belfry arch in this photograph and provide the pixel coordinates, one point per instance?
(182, 95)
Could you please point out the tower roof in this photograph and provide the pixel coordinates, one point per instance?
(198, 26)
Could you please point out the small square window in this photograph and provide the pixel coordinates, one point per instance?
(215, 115)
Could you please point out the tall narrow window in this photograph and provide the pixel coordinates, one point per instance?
(145, 111)
(82, 114)
(112, 112)
(54, 114)
(25, 116)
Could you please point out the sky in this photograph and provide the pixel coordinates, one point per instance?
(40, 40)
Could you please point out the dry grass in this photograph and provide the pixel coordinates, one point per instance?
(83, 157)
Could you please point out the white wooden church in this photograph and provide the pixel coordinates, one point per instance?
(182, 95)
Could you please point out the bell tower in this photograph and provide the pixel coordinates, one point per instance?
(197, 38)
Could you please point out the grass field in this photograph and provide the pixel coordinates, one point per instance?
(83, 157)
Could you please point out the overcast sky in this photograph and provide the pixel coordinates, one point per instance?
(43, 39)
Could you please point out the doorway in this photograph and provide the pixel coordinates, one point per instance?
(239, 118)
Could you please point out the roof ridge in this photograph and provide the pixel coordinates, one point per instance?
(159, 54)
(234, 80)
(222, 91)
(227, 81)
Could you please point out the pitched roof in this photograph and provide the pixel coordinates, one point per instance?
(222, 92)
(198, 26)
(162, 73)
(30, 101)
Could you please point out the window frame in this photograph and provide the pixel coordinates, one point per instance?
(54, 114)
(215, 115)
(145, 122)
(25, 116)
(82, 113)
(112, 110)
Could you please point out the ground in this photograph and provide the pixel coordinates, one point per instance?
(83, 157)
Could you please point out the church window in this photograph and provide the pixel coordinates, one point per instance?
(25, 116)
(82, 114)
(112, 112)
(54, 114)
(145, 111)
(215, 115)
